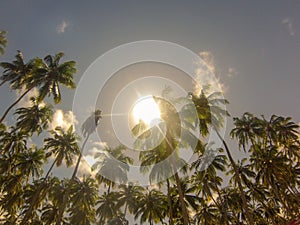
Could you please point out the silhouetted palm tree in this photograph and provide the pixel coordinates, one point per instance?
(83, 199)
(35, 118)
(152, 207)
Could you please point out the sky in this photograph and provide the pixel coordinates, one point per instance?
(255, 45)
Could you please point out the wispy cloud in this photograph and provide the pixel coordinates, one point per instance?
(61, 28)
(206, 75)
(289, 24)
(63, 119)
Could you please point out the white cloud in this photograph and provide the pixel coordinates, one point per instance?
(289, 23)
(206, 75)
(61, 28)
(63, 119)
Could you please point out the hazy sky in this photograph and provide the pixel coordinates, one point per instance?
(259, 41)
(255, 44)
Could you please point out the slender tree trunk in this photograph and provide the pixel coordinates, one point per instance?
(16, 102)
(181, 198)
(170, 204)
(50, 169)
(240, 187)
(66, 195)
(125, 210)
(79, 158)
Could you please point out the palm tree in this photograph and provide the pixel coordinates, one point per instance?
(16, 73)
(84, 197)
(35, 118)
(3, 41)
(49, 74)
(167, 149)
(151, 207)
(30, 163)
(46, 75)
(112, 166)
(206, 214)
(107, 209)
(63, 146)
(50, 211)
(34, 196)
(211, 113)
(247, 129)
(88, 127)
(128, 197)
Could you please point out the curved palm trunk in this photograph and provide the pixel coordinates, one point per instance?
(182, 203)
(240, 187)
(170, 204)
(50, 169)
(66, 195)
(79, 158)
(12, 105)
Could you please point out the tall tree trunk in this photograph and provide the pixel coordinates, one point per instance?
(79, 158)
(12, 105)
(170, 204)
(66, 195)
(50, 169)
(182, 203)
(240, 187)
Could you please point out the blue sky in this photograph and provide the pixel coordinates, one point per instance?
(260, 40)
(255, 44)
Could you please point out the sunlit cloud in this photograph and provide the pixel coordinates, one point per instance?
(289, 23)
(61, 28)
(63, 119)
(206, 75)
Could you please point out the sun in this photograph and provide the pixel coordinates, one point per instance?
(147, 110)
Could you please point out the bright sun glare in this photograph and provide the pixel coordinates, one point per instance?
(146, 109)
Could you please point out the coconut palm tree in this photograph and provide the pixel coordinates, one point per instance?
(63, 146)
(211, 113)
(83, 199)
(128, 197)
(107, 209)
(164, 160)
(112, 166)
(30, 162)
(34, 196)
(47, 75)
(3, 41)
(34, 119)
(246, 129)
(88, 127)
(151, 207)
